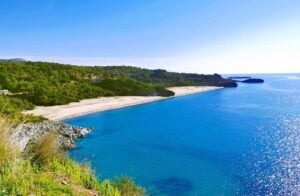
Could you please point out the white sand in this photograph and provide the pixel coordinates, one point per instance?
(87, 106)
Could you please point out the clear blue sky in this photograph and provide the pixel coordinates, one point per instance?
(208, 36)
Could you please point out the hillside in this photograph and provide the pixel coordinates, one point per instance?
(163, 77)
(45, 84)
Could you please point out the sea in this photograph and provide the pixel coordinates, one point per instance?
(232, 141)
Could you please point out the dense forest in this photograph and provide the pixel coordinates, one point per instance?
(43, 83)
(165, 78)
(51, 84)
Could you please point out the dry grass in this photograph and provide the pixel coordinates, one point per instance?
(8, 151)
(46, 149)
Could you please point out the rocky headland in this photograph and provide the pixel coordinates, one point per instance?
(28, 133)
(245, 79)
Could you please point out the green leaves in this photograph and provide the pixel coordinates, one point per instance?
(131, 87)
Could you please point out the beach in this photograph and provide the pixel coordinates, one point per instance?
(87, 106)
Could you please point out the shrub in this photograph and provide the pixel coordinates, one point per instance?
(46, 149)
(12, 108)
(131, 87)
(127, 187)
(7, 149)
(21, 177)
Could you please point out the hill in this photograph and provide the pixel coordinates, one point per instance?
(13, 60)
(165, 78)
(45, 84)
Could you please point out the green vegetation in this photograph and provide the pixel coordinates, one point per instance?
(42, 83)
(165, 78)
(127, 187)
(11, 108)
(131, 87)
(54, 84)
(44, 169)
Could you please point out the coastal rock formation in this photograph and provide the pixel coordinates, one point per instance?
(25, 134)
(253, 80)
(218, 80)
(245, 79)
(239, 77)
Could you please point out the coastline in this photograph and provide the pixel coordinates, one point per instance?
(88, 106)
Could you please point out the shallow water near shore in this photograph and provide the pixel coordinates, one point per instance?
(233, 141)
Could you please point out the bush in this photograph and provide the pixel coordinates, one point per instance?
(127, 187)
(45, 149)
(131, 87)
(23, 178)
(8, 152)
(12, 108)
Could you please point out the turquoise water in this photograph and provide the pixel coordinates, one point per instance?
(234, 141)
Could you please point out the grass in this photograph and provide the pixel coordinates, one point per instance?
(127, 187)
(21, 177)
(45, 170)
(7, 150)
(45, 149)
(12, 107)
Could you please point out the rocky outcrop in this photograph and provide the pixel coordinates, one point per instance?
(239, 77)
(218, 80)
(246, 79)
(227, 83)
(253, 80)
(25, 134)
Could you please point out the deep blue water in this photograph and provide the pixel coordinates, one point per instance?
(234, 141)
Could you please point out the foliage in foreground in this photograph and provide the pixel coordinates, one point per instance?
(12, 108)
(44, 170)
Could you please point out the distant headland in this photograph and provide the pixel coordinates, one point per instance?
(246, 79)
(13, 60)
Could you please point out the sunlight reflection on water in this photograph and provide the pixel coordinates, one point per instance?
(277, 168)
(236, 141)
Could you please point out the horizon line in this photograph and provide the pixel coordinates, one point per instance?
(34, 59)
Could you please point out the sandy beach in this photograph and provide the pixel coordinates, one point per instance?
(88, 106)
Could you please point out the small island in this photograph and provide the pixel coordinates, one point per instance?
(245, 79)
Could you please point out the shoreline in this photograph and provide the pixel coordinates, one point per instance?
(89, 106)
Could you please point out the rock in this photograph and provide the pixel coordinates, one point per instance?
(229, 83)
(239, 77)
(25, 134)
(253, 80)
(245, 79)
(222, 82)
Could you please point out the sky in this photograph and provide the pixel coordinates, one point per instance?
(201, 36)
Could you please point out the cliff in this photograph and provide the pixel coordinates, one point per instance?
(27, 133)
